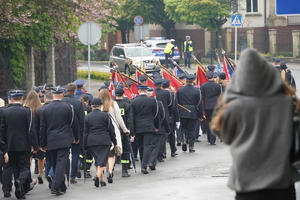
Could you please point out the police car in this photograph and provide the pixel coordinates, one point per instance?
(157, 46)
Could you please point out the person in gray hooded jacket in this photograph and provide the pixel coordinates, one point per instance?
(254, 117)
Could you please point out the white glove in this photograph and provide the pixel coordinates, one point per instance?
(177, 125)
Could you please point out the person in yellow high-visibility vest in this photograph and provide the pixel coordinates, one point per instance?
(187, 49)
(169, 52)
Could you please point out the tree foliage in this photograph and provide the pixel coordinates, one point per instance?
(210, 14)
(153, 11)
(38, 23)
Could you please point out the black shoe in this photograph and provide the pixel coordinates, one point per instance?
(110, 178)
(144, 171)
(40, 180)
(7, 194)
(136, 159)
(164, 156)
(18, 191)
(151, 166)
(87, 175)
(192, 150)
(125, 173)
(49, 179)
(178, 143)
(78, 174)
(102, 183)
(184, 147)
(96, 181)
(173, 154)
(212, 143)
(56, 192)
(161, 160)
(197, 140)
(130, 167)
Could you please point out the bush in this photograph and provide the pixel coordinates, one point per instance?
(95, 75)
(85, 54)
(284, 54)
(102, 55)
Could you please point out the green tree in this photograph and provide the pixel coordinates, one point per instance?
(210, 14)
(153, 11)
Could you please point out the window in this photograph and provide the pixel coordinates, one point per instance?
(252, 6)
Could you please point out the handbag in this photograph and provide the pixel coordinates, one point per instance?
(295, 151)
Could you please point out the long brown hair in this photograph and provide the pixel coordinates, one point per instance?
(33, 101)
(216, 121)
(106, 99)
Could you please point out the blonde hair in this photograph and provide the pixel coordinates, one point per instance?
(33, 101)
(216, 121)
(106, 99)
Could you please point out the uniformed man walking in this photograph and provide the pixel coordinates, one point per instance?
(59, 129)
(145, 124)
(19, 134)
(189, 97)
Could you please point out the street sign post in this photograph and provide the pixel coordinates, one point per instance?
(138, 21)
(290, 7)
(236, 20)
(89, 33)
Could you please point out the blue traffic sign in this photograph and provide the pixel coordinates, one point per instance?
(138, 20)
(236, 20)
(292, 7)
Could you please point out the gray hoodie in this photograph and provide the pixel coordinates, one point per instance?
(257, 124)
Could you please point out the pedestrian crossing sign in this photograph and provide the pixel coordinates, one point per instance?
(236, 20)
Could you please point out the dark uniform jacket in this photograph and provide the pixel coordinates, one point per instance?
(79, 93)
(126, 112)
(37, 119)
(190, 97)
(125, 99)
(18, 128)
(2, 143)
(145, 114)
(210, 92)
(98, 130)
(164, 124)
(59, 126)
(165, 97)
(77, 106)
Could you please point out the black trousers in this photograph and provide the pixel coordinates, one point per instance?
(6, 177)
(187, 59)
(20, 164)
(210, 137)
(187, 127)
(155, 148)
(275, 194)
(88, 160)
(167, 56)
(145, 142)
(59, 159)
(162, 146)
(171, 137)
(125, 157)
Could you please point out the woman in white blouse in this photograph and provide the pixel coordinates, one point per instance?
(112, 108)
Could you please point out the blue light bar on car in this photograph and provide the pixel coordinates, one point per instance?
(157, 38)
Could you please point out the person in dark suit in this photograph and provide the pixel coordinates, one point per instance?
(125, 110)
(158, 137)
(210, 92)
(174, 117)
(80, 90)
(21, 139)
(189, 97)
(79, 114)
(145, 124)
(165, 97)
(99, 133)
(59, 129)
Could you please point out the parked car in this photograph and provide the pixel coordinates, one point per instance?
(157, 46)
(132, 51)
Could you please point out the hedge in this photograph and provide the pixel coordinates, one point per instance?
(95, 75)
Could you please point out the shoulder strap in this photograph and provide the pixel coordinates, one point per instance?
(72, 120)
(30, 123)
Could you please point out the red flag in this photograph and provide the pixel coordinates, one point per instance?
(200, 76)
(173, 81)
(225, 69)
